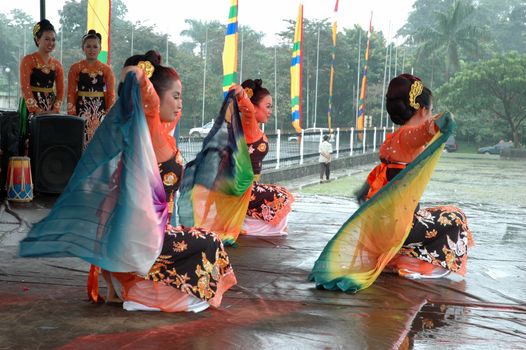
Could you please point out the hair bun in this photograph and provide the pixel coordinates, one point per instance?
(154, 57)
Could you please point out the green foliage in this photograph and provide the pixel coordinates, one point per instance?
(488, 97)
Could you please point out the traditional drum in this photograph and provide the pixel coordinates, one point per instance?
(19, 184)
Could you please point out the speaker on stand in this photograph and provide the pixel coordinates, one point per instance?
(55, 147)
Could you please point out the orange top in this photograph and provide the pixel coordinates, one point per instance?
(407, 142)
(35, 61)
(163, 143)
(400, 148)
(248, 119)
(98, 68)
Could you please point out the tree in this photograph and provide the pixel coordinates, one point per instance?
(453, 34)
(490, 91)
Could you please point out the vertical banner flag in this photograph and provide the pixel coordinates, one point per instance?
(331, 80)
(361, 110)
(296, 65)
(99, 18)
(230, 49)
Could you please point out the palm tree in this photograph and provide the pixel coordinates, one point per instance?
(197, 33)
(453, 33)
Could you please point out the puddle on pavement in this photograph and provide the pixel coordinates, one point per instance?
(469, 327)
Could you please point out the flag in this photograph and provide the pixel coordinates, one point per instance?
(99, 18)
(331, 79)
(373, 235)
(296, 72)
(361, 109)
(230, 48)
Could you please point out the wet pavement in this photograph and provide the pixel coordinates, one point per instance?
(43, 303)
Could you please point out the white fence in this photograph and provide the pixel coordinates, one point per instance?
(287, 149)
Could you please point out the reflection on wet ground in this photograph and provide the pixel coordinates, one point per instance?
(43, 303)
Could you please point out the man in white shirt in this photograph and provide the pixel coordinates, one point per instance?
(325, 158)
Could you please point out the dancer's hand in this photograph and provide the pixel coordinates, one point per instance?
(238, 90)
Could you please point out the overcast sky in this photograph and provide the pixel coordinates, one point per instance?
(264, 16)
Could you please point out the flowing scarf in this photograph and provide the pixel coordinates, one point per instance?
(372, 236)
(217, 184)
(102, 216)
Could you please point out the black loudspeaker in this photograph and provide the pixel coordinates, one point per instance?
(9, 142)
(55, 147)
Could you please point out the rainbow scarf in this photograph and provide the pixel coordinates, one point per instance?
(102, 216)
(372, 236)
(217, 184)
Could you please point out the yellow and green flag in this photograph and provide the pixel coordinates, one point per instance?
(99, 18)
(230, 48)
(295, 72)
(331, 79)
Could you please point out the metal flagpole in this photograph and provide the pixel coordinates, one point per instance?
(316, 84)
(241, 59)
(383, 88)
(167, 51)
(275, 90)
(358, 77)
(308, 92)
(204, 78)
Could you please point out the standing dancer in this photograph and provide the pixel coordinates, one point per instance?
(91, 86)
(115, 210)
(41, 79)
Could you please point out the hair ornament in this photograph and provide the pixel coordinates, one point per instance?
(36, 29)
(416, 90)
(147, 67)
(249, 92)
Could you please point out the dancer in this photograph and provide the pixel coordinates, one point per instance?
(390, 229)
(91, 86)
(41, 79)
(115, 211)
(269, 205)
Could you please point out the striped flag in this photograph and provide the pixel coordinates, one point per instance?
(99, 18)
(230, 49)
(296, 72)
(331, 80)
(361, 110)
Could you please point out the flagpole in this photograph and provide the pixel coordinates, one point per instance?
(241, 58)
(308, 92)
(358, 75)
(167, 51)
(316, 84)
(383, 88)
(204, 77)
(275, 89)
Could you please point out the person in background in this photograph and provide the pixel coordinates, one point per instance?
(325, 158)
(41, 80)
(91, 86)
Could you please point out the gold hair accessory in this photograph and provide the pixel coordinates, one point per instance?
(249, 92)
(36, 29)
(147, 67)
(416, 90)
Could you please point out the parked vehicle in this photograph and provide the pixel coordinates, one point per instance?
(201, 131)
(495, 149)
(451, 145)
(312, 135)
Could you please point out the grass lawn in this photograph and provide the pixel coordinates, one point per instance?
(459, 177)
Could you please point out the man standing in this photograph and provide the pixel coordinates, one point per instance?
(325, 158)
